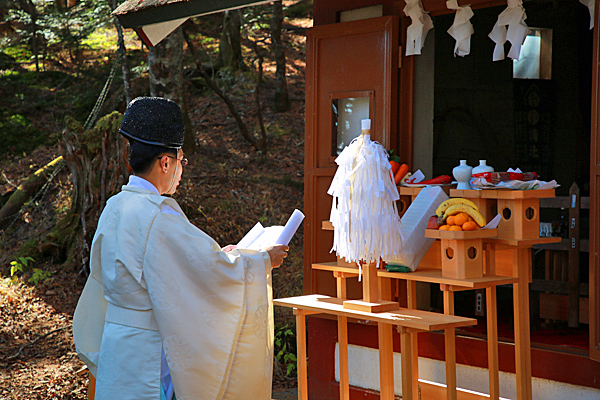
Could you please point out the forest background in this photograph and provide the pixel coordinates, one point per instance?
(66, 76)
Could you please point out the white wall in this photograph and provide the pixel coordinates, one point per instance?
(364, 372)
(423, 108)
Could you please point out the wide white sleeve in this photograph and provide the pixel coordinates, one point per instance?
(88, 323)
(213, 309)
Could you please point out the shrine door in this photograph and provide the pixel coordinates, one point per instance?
(352, 73)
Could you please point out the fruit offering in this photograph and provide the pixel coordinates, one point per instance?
(457, 214)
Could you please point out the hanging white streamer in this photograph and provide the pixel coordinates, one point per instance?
(363, 213)
(510, 26)
(462, 28)
(590, 4)
(421, 23)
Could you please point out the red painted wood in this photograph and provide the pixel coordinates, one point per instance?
(545, 364)
(327, 11)
(333, 69)
(594, 192)
(322, 339)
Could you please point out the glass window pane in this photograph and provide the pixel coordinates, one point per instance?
(528, 64)
(346, 117)
(535, 60)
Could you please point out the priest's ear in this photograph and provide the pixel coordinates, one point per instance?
(142, 157)
(164, 162)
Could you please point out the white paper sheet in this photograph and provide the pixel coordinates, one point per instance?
(590, 5)
(493, 224)
(510, 26)
(290, 228)
(417, 177)
(548, 185)
(259, 237)
(527, 185)
(252, 235)
(462, 29)
(414, 223)
(421, 23)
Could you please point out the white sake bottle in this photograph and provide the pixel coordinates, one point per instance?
(462, 174)
(482, 167)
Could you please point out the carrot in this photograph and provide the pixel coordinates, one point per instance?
(436, 181)
(400, 173)
(395, 165)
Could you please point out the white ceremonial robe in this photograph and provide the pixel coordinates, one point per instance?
(157, 282)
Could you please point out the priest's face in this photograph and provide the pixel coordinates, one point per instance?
(177, 169)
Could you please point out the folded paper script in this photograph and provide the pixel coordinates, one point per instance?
(259, 237)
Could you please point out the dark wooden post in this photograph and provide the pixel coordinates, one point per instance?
(575, 202)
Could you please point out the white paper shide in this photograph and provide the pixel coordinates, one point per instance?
(510, 27)
(462, 28)
(590, 4)
(363, 213)
(421, 23)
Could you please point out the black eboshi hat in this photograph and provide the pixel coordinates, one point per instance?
(155, 121)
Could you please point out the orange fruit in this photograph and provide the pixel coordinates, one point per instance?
(455, 228)
(450, 220)
(444, 227)
(470, 226)
(461, 218)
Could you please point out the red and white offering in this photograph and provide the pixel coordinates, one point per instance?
(511, 179)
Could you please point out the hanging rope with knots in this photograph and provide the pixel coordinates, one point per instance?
(102, 97)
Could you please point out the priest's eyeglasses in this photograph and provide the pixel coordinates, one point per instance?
(184, 161)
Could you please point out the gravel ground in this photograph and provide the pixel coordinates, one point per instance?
(285, 394)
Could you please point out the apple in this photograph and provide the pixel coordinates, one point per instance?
(434, 222)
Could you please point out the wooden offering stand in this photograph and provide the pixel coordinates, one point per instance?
(520, 211)
(387, 315)
(518, 231)
(487, 206)
(371, 301)
(462, 252)
(408, 322)
(474, 264)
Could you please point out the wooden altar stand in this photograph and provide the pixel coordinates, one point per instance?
(407, 321)
(517, 233)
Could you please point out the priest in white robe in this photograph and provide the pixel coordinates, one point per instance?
(166, 311)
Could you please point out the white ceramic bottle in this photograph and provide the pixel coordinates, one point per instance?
(462, 174)
(482, 167)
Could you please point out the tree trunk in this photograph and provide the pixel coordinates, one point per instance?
(25, 190)
(123, 55)
(281, 101)
(34, 44)
(230, 45)
(258, 144)
(259, 77)
(165, 62)
(97, 161)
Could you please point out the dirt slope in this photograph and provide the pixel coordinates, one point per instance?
(225, 190)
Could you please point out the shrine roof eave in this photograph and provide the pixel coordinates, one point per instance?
(138, 13)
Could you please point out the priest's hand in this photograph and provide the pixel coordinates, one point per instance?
(277, 253)
(229, 248)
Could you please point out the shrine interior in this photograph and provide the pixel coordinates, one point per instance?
(533, 115)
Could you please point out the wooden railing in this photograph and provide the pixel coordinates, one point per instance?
(562, 295)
